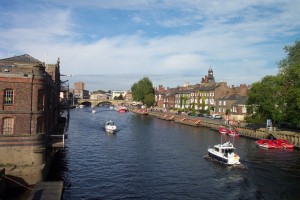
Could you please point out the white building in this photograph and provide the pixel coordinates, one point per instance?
(117, 93)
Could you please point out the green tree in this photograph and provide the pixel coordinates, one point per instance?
(181, 101)
(143, 91)
(120, 97)
(198, 101)
(149, 99)
(290, 75)
(268, 96)
(184, 101)
(278, 97)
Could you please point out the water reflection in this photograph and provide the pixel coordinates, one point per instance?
(149, 158)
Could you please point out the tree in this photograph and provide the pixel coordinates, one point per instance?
(278, 97)
(268, 96)
(120, 97)
(143, 91)
(290, 76)
(149, 99)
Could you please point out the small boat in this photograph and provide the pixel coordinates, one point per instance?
(229, 131)
(224, 153)
(232, 132)
(284, 143)
(94, 110)
(110, 126)
(222, 129)
(121, 109)
(274, 144)
(269, 144)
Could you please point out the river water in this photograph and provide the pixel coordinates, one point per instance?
(149, 158)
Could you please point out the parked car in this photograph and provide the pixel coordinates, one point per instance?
(216, 116)
(200, 115)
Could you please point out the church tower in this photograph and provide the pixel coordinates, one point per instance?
(210, 77)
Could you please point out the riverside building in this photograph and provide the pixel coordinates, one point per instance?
(31, 122)
(208, 95)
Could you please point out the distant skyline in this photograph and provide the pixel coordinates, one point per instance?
(110, 44)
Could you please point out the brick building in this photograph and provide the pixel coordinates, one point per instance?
(79, 91)
(202, 96)
(29, 112)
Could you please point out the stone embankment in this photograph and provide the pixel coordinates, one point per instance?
(292, 137)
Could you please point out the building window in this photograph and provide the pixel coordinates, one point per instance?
(244, 110)
(8, 97)
(8, 126)
(40, 104)
(40, 125)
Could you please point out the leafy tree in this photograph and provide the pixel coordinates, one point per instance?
(278, 97)
(267, 93)
(198, 101)
(203, 102)
(149, 100)
(184, 101)
(120, 97)
(181, 101)
(290, 76)
(143, 91)
(99, 92)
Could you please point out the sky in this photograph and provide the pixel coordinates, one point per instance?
(111, 44)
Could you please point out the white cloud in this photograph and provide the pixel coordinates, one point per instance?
(241, 41)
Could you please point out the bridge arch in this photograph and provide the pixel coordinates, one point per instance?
(105, 103)
(94, 102)
(85, 103)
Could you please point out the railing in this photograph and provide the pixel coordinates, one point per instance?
(58, 139)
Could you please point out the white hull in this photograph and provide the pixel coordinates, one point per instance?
(224, 153)
(110, 127)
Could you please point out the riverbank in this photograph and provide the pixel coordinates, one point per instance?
(292, 137)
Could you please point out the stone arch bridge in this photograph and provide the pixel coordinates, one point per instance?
(94, 102)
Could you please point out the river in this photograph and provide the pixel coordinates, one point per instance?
(149, 158)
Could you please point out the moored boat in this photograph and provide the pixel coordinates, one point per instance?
(121, 109)
(274, 144)
(224, 153)
(284, 143)
(232, 132)
(110, 126)
(229, 131)
(269, 144)
(222, 129)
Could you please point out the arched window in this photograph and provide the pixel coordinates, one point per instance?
(8, 97)
(8, 126)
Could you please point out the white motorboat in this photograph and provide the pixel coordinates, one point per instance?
(110, 126)
(224, 153)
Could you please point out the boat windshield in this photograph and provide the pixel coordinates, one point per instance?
(110, 123)
(228, 151)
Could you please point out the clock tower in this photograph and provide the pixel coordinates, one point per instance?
(210, 77)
